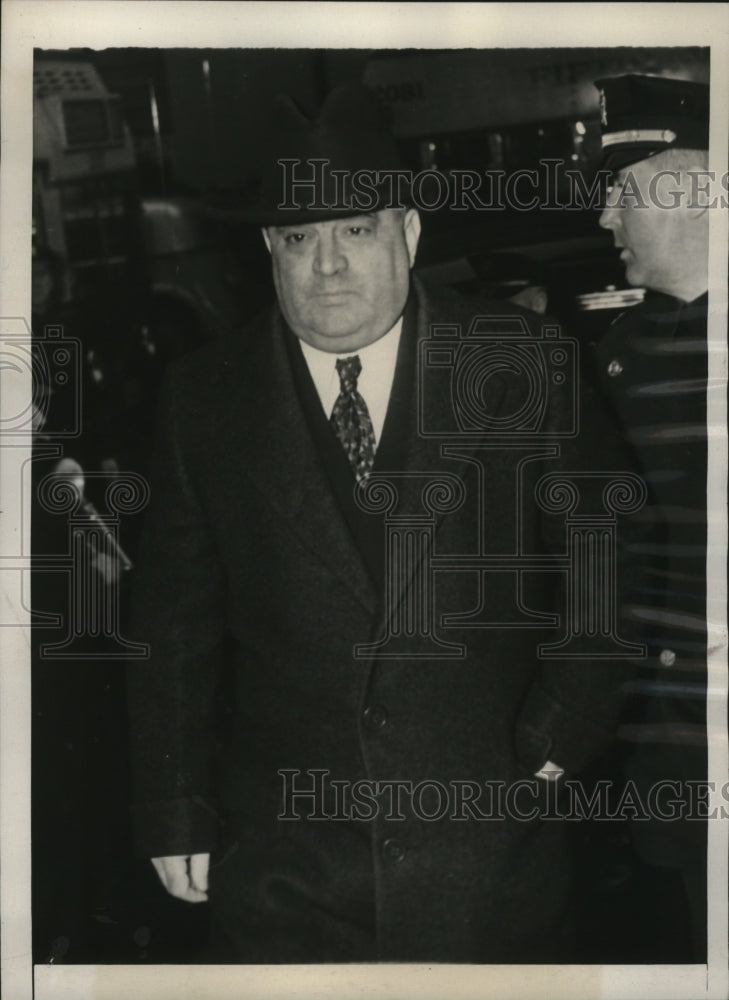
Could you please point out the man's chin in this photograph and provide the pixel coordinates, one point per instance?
(334, 330)
(633, 274)
(341, 331)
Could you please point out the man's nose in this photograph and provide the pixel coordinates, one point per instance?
(329, 257)
(609, 217)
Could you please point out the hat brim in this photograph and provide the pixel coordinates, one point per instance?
(261, 216)
(275, 205)
(618, 157)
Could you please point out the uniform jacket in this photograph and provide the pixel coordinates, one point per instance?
(251, 570)
(652, 366)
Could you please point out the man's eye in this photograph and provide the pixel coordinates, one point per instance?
(294, 238)
(358, 230)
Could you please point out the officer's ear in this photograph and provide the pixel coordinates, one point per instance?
(697, 184)
(411, 229)
(266, 238)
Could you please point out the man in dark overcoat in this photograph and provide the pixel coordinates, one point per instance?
(344, 523)
(652, 365)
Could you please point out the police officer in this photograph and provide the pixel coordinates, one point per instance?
(652, 364)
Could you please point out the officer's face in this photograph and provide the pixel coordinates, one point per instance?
(342, 284)
(647, 212)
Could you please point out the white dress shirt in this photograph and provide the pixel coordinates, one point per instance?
(374, 383)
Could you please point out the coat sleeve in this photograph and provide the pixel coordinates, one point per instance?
(572, 708)
(178, 610)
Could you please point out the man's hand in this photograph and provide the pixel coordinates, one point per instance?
(185, 876)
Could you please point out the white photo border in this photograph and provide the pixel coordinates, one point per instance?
(57, 24)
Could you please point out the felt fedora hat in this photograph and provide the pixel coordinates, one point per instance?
(341, 162)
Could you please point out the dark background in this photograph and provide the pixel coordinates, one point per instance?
(150, 256)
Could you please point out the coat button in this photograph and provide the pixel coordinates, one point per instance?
(614, 368)
(375, 717)
(667, 657)
(392, 849)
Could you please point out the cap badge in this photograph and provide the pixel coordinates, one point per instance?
(603, 109)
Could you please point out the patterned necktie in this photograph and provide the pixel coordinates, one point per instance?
(351, 420)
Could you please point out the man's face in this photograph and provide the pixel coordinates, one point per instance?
(342, 284)
(652, 238)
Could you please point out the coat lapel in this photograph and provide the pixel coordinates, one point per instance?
(272, 439)
(270, 435)
(431, 425)
(430, 409)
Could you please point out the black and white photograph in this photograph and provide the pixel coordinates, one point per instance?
(363, 533)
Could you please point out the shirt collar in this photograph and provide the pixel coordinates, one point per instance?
(374, 384)
(376, 354)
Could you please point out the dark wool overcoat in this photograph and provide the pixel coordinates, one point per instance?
(259, 587)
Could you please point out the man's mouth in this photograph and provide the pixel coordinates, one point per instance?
(333, 297)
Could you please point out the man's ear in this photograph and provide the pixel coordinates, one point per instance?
(698, 192)
(266, 238)
(411, 228)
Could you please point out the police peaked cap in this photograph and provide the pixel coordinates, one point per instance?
(644, 115)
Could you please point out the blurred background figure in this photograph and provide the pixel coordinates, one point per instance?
(513, 277)
(46, 284)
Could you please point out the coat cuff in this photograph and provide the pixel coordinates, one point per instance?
(170, 827)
